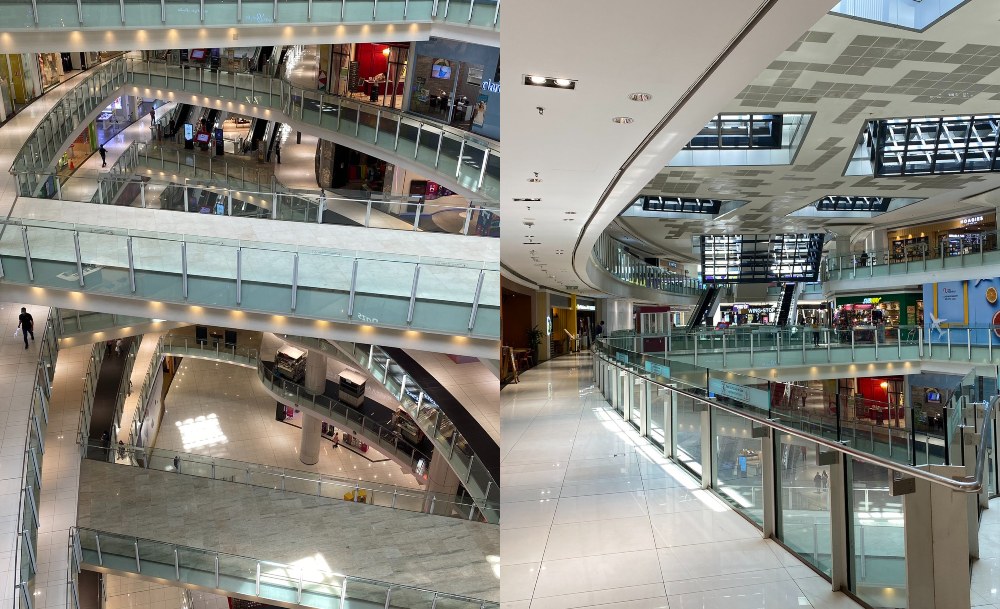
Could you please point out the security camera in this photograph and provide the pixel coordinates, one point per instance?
(541, 110)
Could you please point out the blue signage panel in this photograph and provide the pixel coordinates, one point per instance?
(658, 369)
(622, 357)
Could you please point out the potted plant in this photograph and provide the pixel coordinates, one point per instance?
(534, 339)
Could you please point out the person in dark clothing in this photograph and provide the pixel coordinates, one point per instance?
(27, 324)
(104, 155)
(277, 154)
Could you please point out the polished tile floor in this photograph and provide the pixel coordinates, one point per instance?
(233, 402)
(594, 516)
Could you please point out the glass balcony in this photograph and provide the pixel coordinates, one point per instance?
(408, 292)
(614, 257)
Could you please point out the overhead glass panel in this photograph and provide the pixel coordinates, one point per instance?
(927, 145)
(760, 258)
(907, 14)
(745, 139)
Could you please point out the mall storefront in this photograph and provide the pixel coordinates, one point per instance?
(895, 309)
(951, 237)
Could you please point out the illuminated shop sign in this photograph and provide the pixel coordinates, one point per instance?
(872, 300)
(971, 220)
(491, 87)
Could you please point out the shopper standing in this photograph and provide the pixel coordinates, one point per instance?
(104, 155)
(826, 480)
(599, 330)
(817, 482)
(277, 153)
(815, 329)
(27, 324)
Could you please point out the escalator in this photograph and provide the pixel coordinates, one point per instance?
(260, 58)
(274, 134)
(706, 307)
(788, 295)
(181, 116)
(258, 129)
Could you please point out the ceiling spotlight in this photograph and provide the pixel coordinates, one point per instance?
(623, 120)
(563, 82)
(528, 199)
(537, 80)
(535, 179)
(640, 97)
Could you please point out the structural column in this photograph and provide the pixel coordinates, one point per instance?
(311, 425)
(442, 485)
(543, 310)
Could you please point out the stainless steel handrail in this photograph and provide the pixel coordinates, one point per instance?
(964, 484)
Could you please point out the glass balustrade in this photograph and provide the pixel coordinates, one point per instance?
(25, 535)
(974, 249)
(50, 14)
(447, 440)
(199, 183)
(614, 257)
(248, 577)
(757, 451)
(895, 431)
(456, 156)
(410, 292)
(298, 481)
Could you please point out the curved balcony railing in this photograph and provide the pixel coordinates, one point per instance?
(285, 479)
(614, 257)
(409, 292)
(474, 475)
(451, 156)
(133, 14)
(246, 577)
(136, 179)
(969, 250)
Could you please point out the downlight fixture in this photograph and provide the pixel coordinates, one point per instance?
(623, 120)
(640, 96)
(535, 80)
(536, 179)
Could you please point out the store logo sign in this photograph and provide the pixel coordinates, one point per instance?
(872, 300)
(971, 220)
(491, 87)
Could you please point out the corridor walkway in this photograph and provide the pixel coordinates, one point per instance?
(595, 516)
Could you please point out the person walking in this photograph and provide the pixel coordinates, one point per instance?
(277, 153)
(817, 482)
(104, 155)
(27, 324)
(815, 329)
(826, 480)
(599, 330)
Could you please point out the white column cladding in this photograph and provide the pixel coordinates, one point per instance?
(541, 312)
(618, 313)
(311, 426)
(442, 483)
(936, 530)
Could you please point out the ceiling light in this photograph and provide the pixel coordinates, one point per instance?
(549, 81)
(527, 199)
(622, 120)
(536, 179)
(640, 97)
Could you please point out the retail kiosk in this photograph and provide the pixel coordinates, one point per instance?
(352, 388)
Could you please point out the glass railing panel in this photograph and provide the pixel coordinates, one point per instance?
(451, 149)
(324, 285)
(158, 268)
(391, 10)
(348, 119)
(197, 566)
(367, 123)
(212, 273)
(407, 597)
(444, 298)
(383, 291)
(97, 13)
(878, 559)
(220, 12)
(368, 592)
(408, 133)
(387, 131)
(430, 137)
(292, 11)
(105, 262)
(267, 279)
(15, 265)
(183, 12)
(53, 257)
(491, 180)
(358, 10)
(473, 158)
(485, 13)
(488, 316)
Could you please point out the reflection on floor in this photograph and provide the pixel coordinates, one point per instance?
(594, 516)
(222, 410)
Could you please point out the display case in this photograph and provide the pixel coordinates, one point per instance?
(352, 388)
(290, 363)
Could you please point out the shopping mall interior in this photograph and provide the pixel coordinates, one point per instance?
(750, 302)
(249, 267)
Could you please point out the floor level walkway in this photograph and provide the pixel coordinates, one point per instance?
(595, 516)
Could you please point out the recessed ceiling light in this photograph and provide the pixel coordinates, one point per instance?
(535, 179)
(527, 199)
(570, 213)
(622, 120)
(640, 96)
(535, 80)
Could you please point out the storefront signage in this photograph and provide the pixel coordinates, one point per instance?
(583, 307)
(970, 220)
(622, 357)
(740, 393)
(872, 300)
(491, 87)
(548, 325)
(658, 369)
